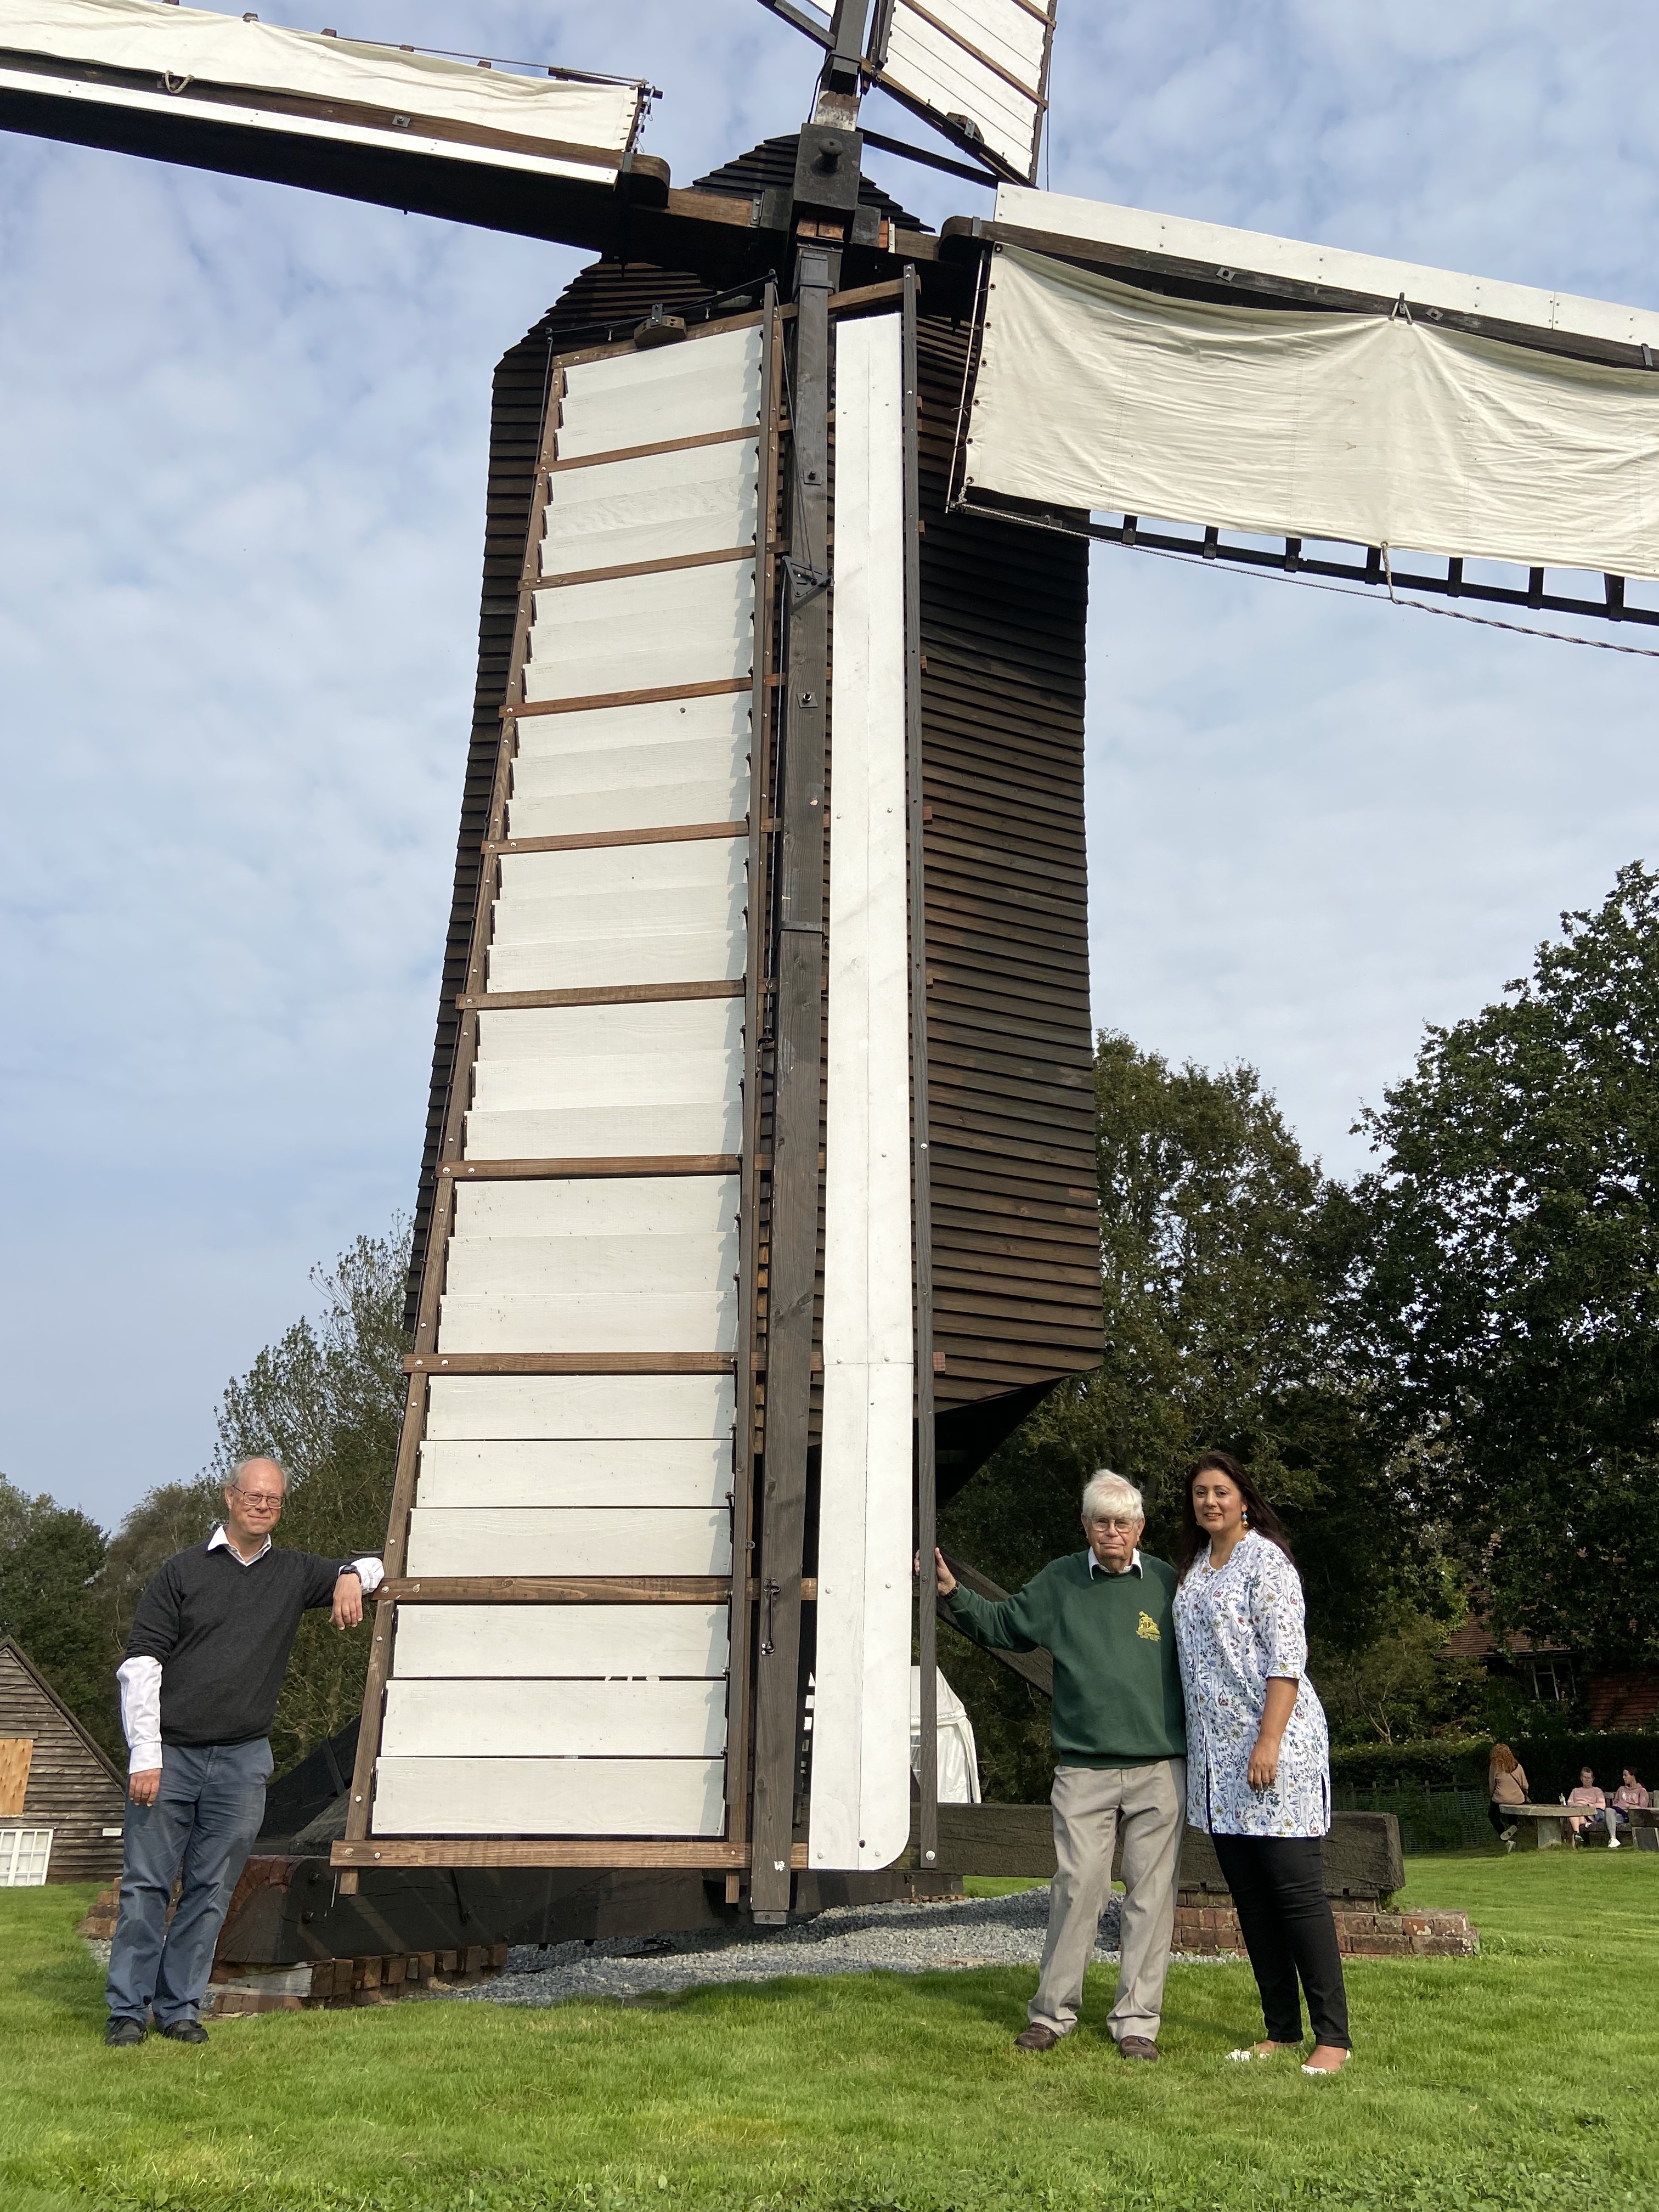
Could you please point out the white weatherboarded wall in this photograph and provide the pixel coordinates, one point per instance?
(1372, 429)
(860, 1779)
(594, 1719)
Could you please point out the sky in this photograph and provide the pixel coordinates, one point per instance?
(242, 446)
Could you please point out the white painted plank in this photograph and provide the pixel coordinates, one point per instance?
(647, 1472)
(497, 1642)
(534, 1266)
(716, 867)
(723, 717)
(615, 770)
(568, 1541)
(624, 917)
(643, 633)
(671, 391)
(483, 1407)
(602, 1206)
(699, 1079)
(639, 805)
(659, 507)
(576, 1036)
(589, 962)
(533, 1720)
(591, 1321)
(598, 1133)
(936, 70)
(549, 1797)
(861, 1804)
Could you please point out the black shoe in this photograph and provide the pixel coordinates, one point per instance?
(183, 2031)
(124, 2033)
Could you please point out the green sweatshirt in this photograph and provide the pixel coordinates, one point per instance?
(1117, 1685)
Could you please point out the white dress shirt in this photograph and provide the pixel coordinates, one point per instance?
(1095, 1567)
(141, 1678)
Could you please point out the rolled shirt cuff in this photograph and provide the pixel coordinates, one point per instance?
(368, 1571)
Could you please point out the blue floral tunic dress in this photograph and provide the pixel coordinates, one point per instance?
(1235, 1627)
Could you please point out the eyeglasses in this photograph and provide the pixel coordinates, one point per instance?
(1113, 1527)
(259, 1502)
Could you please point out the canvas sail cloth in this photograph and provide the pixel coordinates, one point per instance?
(582, 126)
(1373, 429)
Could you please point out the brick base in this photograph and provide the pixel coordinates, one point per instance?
(1362, 1931)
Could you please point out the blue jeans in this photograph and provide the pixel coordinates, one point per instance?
(202, 1825)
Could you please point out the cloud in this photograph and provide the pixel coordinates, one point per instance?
(242, 444)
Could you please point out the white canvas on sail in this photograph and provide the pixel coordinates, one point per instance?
(980, 62)
(580, 128)
(1375, 430)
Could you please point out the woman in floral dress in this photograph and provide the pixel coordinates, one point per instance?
(1258, 1760)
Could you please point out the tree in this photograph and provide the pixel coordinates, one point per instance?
(1222, 1254)
(50, 1556)
(1505, 1276)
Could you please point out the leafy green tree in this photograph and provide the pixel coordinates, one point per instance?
(1506, 1275)
(51, 1557)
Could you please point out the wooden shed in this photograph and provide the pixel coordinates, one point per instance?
(67, 1784)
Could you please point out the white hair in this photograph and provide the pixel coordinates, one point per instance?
(1106, 1493)
(257, 1459)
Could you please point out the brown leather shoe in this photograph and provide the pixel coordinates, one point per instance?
(1036, 2038)
(1138, 2046)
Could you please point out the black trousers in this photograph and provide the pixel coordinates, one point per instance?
(1279, 1892)
(1500, 1816)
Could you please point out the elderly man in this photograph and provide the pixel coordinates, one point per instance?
(1119, 1740)
(205, 1661)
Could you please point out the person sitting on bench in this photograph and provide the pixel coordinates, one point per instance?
(1587, 1796)
(1629, 1794)
(1506, 1788)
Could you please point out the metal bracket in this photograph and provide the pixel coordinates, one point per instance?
(806, 583)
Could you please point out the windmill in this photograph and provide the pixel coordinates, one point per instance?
(758, 1202)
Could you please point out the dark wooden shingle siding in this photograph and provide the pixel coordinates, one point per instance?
(73, 1790)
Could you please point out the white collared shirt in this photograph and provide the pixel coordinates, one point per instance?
(1095, 1567)
(141, 1678)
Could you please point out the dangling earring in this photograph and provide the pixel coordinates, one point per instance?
(1244, 1518)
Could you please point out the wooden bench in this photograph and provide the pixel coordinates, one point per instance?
(1550, 1823)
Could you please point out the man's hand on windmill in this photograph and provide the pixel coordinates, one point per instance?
(348, 1599)
(945, 1581)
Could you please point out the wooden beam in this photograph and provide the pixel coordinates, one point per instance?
(659, 568)
(795, 1177)
(559, 1589)
(719, 687)
(662, 445)
(389, 1852)
(600, 994)
(591, 841)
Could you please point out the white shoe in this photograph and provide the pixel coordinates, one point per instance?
(1613, 1843)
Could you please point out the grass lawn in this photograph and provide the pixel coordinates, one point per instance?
(1526, 2078)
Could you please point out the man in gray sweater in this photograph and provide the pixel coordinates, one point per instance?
(209, 1646)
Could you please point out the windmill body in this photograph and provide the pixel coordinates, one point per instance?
(757, 1204)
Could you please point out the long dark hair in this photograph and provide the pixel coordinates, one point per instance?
(1258, 1514)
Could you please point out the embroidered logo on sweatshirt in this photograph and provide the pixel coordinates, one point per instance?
(1147, 1626)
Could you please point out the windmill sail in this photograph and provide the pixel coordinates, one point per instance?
(1349, 400)
(340, 114)
(976, 70)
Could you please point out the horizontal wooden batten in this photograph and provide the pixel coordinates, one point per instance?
(516, 1851)
(598, 994)
(589, 841)
(642, 452)
(717, 687)
(559, 1589)
(567, 1363)
(578, 1169)
(637, 568)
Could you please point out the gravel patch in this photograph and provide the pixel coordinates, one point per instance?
(900, 1939)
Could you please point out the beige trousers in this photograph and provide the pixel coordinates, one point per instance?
(1089, 1802)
